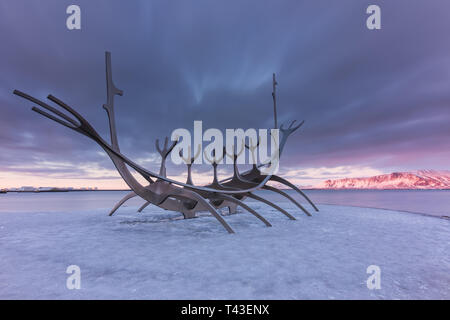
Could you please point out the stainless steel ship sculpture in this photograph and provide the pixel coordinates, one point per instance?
(170, 194)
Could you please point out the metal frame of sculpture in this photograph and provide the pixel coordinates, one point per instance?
(170, 194)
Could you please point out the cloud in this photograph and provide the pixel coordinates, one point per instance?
(375, 99)
(65, 170)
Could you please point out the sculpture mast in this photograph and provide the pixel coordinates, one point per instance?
(274, 93)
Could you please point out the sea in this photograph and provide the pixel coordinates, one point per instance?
(428, 202)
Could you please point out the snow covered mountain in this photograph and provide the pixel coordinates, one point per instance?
(422, 179)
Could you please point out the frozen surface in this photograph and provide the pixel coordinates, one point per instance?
(146, 256)
(430, 202)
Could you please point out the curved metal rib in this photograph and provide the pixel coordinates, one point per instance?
(273, 205)
(254, 175)
(246, 207)
(291, 185)
(284, 194)
(121, 202)
(238, 181)
(206, 204)
(145, 205)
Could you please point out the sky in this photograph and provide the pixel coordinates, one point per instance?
(373, 101)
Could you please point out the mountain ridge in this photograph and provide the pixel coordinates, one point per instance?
(420, 180)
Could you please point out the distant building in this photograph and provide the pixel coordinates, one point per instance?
(27, 189)
(46, 188)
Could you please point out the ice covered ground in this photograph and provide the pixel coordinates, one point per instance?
(145, 256)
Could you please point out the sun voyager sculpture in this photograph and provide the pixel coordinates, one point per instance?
(169, 194)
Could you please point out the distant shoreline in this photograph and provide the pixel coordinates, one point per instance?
(360, 189)
(62, 190)
(307, 189)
